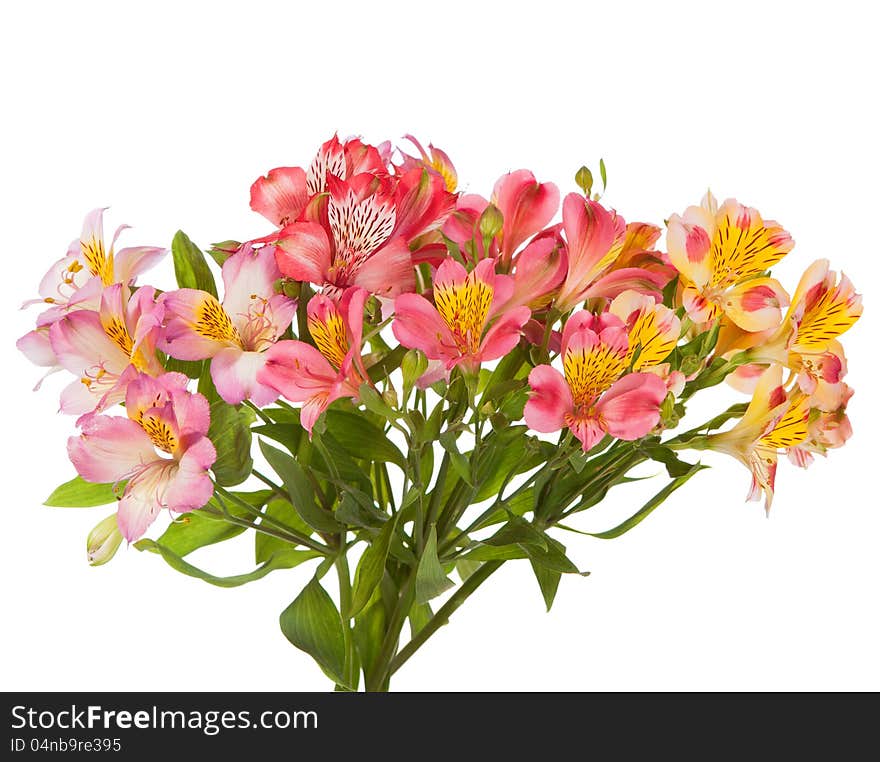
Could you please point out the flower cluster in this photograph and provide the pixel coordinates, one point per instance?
(381, 302)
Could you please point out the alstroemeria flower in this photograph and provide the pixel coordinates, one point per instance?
(458, 328)
(773, 421)
(538, 271)
(318, 376)
(595, 239)
(720, 254)
(285, 192)
(358, 247)
(821, 311)
(433, 159)
(104, 349)
(653, 329)
(76, 280)
(827, 428)
(236, 333)
(593, 397)
(527, 207)
(160, 450)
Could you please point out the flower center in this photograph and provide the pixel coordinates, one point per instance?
(464, 308)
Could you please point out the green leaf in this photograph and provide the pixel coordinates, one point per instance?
(518, 531)
(504, 452)
(372, 401)
(675, 466)
(78, 493)
(553, 558)
(371, 568)
(419, 616)
(648, 507)
(387, 365)
(603, 174)
(302, 495)
(548, 581)
(465, 568)
(358, 512)
(459, 462)
(362, 439)
(369, 630)
(313, 625)
(191, 368)
(286, 559)
(196, 529)
(231, 434)
(431, 580)
(281, 510)
(190, 266)
(482, 552)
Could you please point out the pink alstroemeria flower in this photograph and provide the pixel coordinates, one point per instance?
(593, 398)
(104, 349)
(433, 159)
(526, 207)
(236, 333)
(317, 377)
(596, 238)
(462, 326)
(77, 279)
(285, 192)
(164, 419)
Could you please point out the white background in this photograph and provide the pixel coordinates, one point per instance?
(168, 111)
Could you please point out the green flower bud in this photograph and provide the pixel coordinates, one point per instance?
(491, 221)
(103, 541)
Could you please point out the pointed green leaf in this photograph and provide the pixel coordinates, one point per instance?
(431, 580)
(281, 510)
(78, 493)
(648, 507)
(371, 568)
(286, 559)
(190, 266)
(548, 581)
(230, 432)
(302, 495)
(362, 439)
(313, 625)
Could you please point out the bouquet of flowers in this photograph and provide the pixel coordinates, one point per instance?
(437, 382)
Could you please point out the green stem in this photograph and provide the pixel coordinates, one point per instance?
(442, 616)
(344, 575)
(277, 488)
(380, 671)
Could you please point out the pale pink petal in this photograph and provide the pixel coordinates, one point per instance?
(248, 275)
(109, 448)
(504, 334)
(144, 497)
(631, 407)
(281, 195)
(192, 415)
(235, 375)
(303, 252)
(549, 401)
(190, 487)
(418, 325)
(388, 271)
(697, 306)
(80, 343)
(35, 345)
(130, 262)
(182, 309)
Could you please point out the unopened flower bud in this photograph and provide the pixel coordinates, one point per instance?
(584, 179)
(390, 396)
(103, 541)
(491, 221)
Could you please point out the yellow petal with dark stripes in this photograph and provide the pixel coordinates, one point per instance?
(743, 245)
(791, 429)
